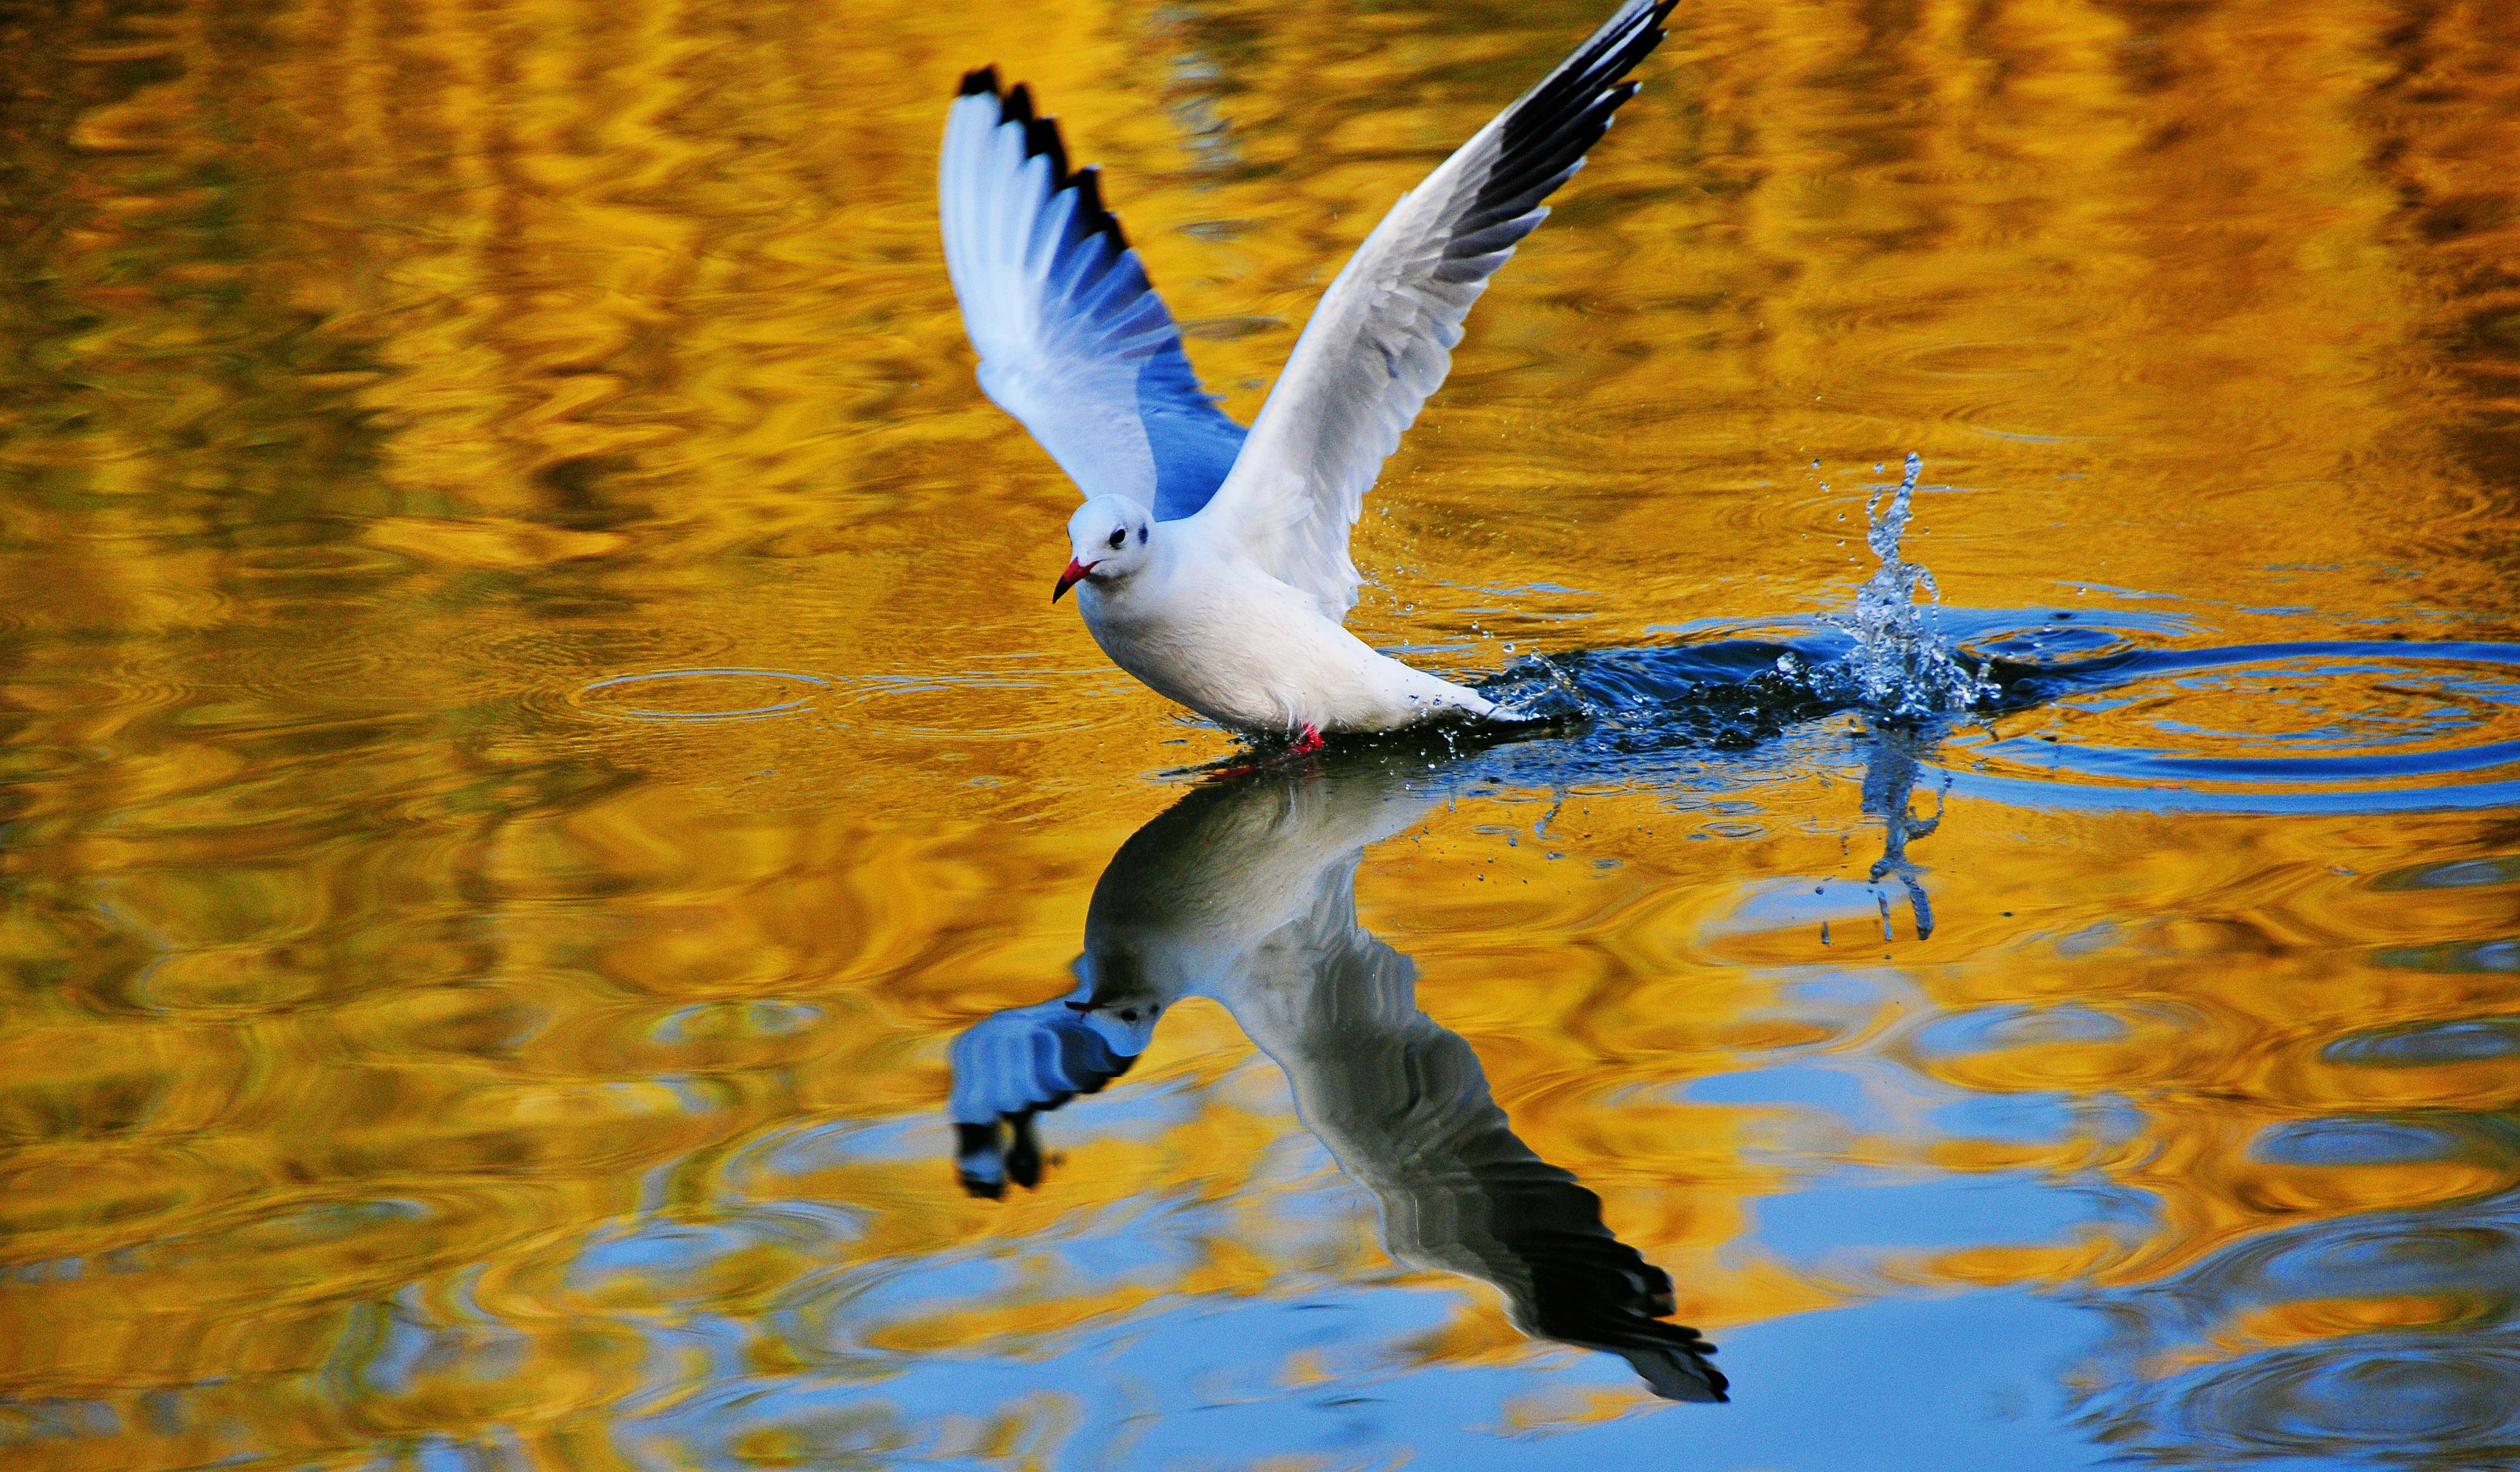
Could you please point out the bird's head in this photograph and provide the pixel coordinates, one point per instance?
(1108, 538)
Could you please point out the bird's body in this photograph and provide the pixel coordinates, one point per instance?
(1214, 560)
(1215, 632)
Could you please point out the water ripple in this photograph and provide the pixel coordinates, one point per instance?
(710, 694)
(2403, 1398)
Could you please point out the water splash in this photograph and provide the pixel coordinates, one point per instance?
(1893, 666)
(1901, 667)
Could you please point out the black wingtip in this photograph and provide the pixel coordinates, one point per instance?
(1041, 137)
(1549, 131)
(1041, 140)
(1089, 205)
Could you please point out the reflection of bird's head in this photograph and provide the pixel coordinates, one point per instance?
(1120, 1001)
(1127, 1014)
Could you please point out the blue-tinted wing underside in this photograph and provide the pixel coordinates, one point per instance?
(1073, 341)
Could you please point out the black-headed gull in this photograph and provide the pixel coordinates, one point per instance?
(1213, 563)
(1246, 893)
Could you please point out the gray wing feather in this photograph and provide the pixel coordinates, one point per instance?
(1382, 338)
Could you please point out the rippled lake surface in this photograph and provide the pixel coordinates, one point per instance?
(549, 830)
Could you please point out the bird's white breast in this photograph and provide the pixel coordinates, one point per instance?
(1255, 655)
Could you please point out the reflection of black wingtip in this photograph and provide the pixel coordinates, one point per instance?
(1023, 1156)
(978, 1161)
(988, 1156)
(1590, 1289)
(1675, 1365)
(1681, 1374)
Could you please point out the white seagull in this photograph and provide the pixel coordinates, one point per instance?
(1214, 563)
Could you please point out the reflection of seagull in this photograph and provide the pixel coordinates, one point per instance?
(1215, 566)
(1247, 893)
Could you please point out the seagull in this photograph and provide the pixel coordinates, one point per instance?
(1246, 893)
(1212, 562)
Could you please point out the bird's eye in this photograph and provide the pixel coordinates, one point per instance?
(1118, 537)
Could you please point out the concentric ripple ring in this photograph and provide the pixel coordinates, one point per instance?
(659, 682)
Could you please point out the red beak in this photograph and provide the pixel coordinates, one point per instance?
(1074, 574)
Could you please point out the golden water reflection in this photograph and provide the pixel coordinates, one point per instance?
(412, 1054)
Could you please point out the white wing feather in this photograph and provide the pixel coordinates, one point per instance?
(1381, 340)
(1073, 341)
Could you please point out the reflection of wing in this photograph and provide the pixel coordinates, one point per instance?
(1405, 1109)
(1009, 1067)
(1073, 341)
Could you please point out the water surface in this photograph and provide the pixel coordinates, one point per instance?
(532, 728)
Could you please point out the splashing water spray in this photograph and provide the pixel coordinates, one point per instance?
(1898, 672)
(1899, 668)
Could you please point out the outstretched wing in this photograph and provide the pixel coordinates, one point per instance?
(1382, 338)
(1073, 341)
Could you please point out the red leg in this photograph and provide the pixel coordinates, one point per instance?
(1305, 745)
